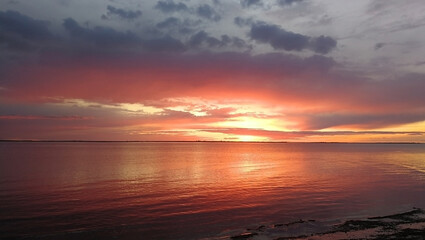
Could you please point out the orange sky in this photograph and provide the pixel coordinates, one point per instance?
(215, 102)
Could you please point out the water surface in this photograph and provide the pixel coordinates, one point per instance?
(193, 190)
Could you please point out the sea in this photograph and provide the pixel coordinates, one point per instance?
(197, 190)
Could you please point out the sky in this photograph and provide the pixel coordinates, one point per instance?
(213, 70)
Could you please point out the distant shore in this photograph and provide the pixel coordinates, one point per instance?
(147, 141)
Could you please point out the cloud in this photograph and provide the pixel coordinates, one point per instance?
(203, 10)
(176, 25)
(169, 23)
(279, 38)
(287, 2)
(322, 44)
(206, 11)
(28, 28)
(34, 117)
(202, 38)
(243, 22)
(170, 6)
(22, 33)
(124, 14)
(358, 121)
(379, 45)
(103, 36)
(311, 95)
(107, 38)
(158, 67)
(249, 3)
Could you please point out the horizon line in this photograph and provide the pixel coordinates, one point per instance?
(197, 141)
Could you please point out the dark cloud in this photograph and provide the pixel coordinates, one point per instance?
(103, 36)
(176, 25)
(243, 22)
(206, 11)
(124, 14)
(279, 38)
(322, 44)
(109, 39)
(203, 39)
(379, 45)
(234, 41)
(14, 23)
(169, 23)
(21, 35)
(170, 6)
(249, 3)
(287, 2)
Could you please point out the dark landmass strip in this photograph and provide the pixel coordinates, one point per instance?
(198, 141)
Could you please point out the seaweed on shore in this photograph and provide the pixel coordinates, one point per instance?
(406, 216)
(408, 233)
(406, 225)
(355, 225)
(244, 236)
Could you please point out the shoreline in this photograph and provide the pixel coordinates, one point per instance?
(405, 225)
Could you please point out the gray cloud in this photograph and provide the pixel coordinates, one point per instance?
(170, 6)
(243, 22)
(14, 23)
(379, 45)
(203, 39)
(103, 36)
(206, 11)
(109, 38)
(124, 14)
(169, 22)
(249, 3)
(279, 38)
(175, 25)
(203, 10)
(287, 2)
(21, 34)
(322, 44)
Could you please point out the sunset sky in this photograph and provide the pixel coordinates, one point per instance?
(225, 70)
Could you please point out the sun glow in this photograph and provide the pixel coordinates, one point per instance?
(250, 138)
(251, 122)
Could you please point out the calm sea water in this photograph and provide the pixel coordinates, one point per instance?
(197, 190)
